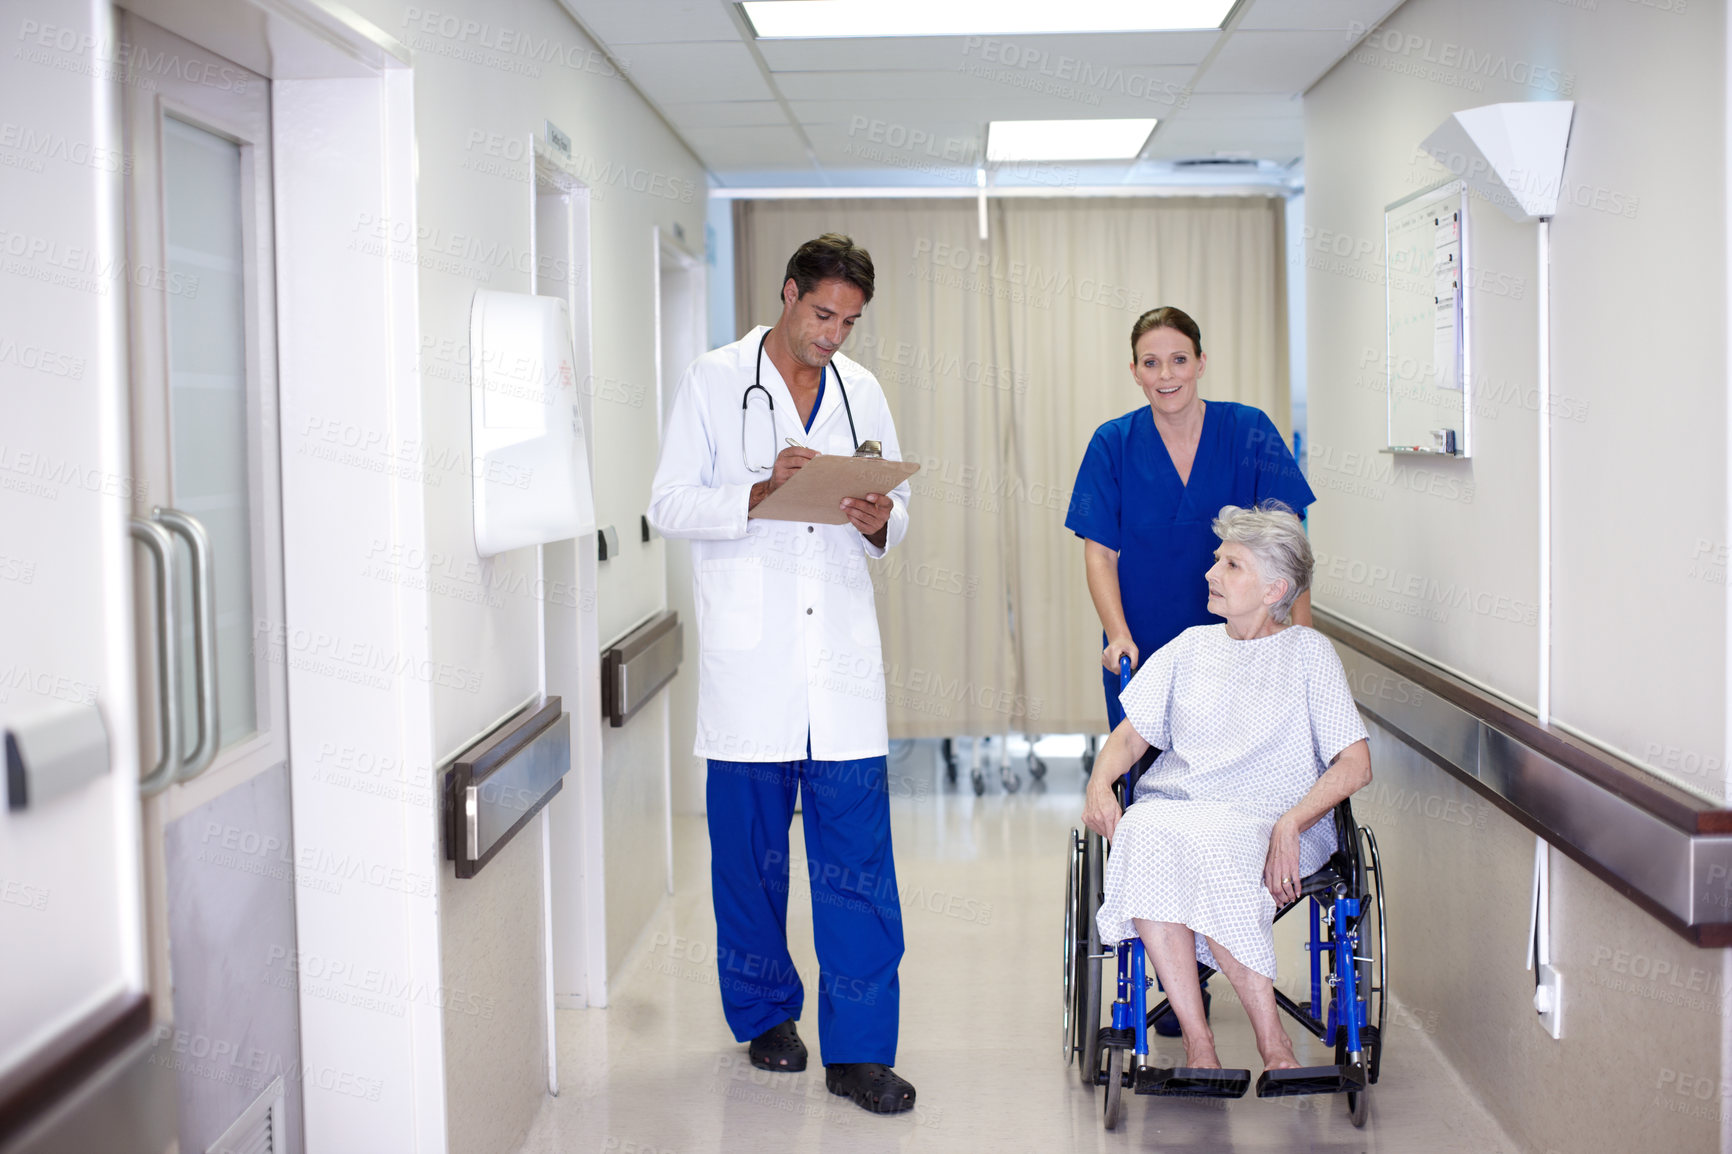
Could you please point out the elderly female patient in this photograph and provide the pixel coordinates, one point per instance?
(1261, 741)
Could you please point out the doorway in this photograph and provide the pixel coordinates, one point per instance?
(680, 339)
(218, 845)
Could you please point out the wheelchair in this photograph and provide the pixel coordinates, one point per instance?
(1349, 960)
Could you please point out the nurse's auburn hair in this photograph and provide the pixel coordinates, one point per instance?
(1167, 317)
(830, 257)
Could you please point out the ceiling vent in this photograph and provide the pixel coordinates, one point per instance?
(1217, 162)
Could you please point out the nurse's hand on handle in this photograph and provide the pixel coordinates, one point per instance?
(1118, 647)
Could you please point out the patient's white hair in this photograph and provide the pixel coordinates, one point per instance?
(1276, 538)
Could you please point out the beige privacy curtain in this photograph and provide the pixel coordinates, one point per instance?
(999, 359)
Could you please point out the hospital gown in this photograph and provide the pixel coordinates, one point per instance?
(1247, 728)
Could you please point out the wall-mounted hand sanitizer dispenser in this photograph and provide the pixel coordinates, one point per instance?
(531, 464)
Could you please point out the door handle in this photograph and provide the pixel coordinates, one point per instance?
(203, 638)
(160, 546)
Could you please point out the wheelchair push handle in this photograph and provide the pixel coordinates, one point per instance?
(1124, 671)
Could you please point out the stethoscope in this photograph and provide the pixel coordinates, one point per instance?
(758, 384)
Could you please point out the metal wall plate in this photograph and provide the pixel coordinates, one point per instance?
(495, 786)
(635, 669)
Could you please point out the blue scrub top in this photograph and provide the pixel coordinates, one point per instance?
(1128, 497)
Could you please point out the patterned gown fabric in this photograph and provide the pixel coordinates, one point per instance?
(1247, 728)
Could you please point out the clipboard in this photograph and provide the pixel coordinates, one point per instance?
(814, 494)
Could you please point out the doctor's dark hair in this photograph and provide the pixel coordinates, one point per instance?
(1167, 317)
(1273, 534)
(830, 257)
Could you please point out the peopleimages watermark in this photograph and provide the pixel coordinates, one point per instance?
(460, 254)
(1447, 62)
(38, 474)
(43, 683)
(406, 458)
(1039, 70)
(41, 359)
(498, 46)
(908, 363)
(33, 147)
(511, 156)
(49, 261)
(366, 987)
(981, 271)
(121, 61)
(241, 1064)
(1417, 594)
(361, 662)
(917, 149)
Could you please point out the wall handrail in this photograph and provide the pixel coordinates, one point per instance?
(1665, 848)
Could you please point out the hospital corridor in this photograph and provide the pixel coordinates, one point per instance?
(865, 576)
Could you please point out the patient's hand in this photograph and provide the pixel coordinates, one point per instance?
(1281, 867)
(1101, 810)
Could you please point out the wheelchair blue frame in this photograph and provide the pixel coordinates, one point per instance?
(1344, 1024)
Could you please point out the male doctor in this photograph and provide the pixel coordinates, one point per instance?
(790, 674)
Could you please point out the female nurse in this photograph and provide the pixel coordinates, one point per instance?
(1146, 498)
(1151, 485)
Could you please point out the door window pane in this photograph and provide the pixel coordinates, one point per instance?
(207, 375)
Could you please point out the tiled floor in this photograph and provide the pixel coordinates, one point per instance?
(983, 894)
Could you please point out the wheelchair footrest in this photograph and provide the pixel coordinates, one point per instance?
(1309, 1080)
(1193, 1082)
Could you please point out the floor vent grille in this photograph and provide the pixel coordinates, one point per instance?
(259, 1129)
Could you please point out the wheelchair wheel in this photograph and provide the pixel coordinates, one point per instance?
(1073, 956)
(1373, 971)
(1111, 1106)
(1375, 945)
(1088, 938)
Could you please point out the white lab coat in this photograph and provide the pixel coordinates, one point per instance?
(787, 628)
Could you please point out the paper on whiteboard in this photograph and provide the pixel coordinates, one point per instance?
(1446, 297)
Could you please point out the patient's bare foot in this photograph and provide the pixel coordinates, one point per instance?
(1279, 1055)
(1200, 1053)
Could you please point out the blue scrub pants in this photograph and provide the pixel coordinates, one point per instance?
(856, 908)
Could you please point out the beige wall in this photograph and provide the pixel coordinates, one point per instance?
(1638, 323)
(1639, 481)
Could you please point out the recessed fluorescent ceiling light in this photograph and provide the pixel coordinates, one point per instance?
(1008, 140)
(795, 19)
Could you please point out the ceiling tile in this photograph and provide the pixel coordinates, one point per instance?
(712, 113)
(689, 73)
(1237, 106)
(655, 21)
(1273, 62)
(743, 146)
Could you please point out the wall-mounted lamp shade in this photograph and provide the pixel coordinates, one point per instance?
(1512, 154)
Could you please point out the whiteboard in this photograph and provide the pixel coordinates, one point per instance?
(1427, 356)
